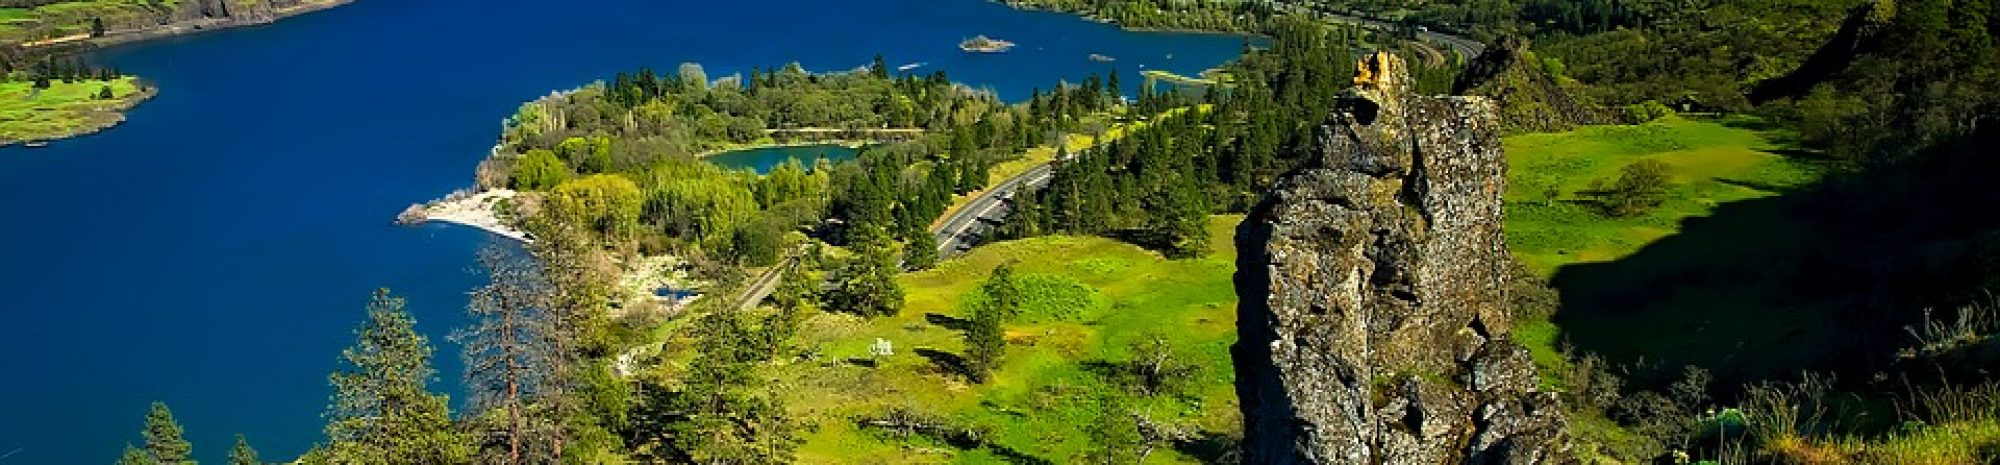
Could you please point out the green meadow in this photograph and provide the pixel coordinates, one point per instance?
(62, 110)
(1681, 280)
(1088, 301)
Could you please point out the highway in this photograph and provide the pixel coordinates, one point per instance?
(1467, 47)
(970, 225)
(765, 284)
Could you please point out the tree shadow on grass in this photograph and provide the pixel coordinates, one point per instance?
(1211, 447)
(946, 362)
(947, 321)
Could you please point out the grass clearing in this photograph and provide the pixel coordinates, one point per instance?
(1092, 298)
(64, 109)
(1712, 163)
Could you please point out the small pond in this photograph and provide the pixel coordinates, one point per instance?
(763, 159)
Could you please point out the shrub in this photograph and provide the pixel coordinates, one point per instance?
(538, 170)
(1647, 111)
(1640, 187)
(1044, 297)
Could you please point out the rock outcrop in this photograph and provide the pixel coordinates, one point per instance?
(1373, 326)
(1529, 98)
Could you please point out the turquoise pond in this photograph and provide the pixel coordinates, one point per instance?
(216, 250)
(763, 159)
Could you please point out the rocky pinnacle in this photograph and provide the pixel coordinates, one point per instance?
(1373, 324)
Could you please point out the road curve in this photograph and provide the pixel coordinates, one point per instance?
(970, 225)
(1467, 47)
(765, 284)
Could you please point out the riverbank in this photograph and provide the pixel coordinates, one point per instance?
(485, 211)
(69, 24)
(66, 109)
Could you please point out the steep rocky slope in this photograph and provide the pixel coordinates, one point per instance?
(1372, 324)
(69, 23)
(1529, 99)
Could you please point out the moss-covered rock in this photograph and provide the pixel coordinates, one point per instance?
(1373, 320)
(1530, 91)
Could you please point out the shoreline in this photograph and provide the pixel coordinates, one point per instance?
(852, 144)
(117, 114)
(112, 116)
(478, 210)
(189, 27)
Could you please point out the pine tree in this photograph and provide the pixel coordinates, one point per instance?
(921, 253)
(164, 444)
(134, 456)
(242, 454)
(381, 411)
(510, 354)
(985, 340)
(719, 413)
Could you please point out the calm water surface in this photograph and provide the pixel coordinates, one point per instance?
(216, 251)
(763, 159)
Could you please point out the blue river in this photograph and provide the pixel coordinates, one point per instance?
(215, 252)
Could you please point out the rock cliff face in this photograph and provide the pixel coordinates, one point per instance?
(1373, 321)
(157, 20)
(1530, 100)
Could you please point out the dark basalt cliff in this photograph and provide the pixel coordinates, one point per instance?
(1373, 319)
(188, 16)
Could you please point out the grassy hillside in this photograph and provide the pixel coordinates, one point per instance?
(62, 110)
(1713, 162)
(1096, 298)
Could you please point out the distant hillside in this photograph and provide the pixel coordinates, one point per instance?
(43, 23)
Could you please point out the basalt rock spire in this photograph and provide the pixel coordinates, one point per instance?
(1373, 326)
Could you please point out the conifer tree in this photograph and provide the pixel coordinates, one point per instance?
(134, 456)
(242, 454)
(381, 411)
(164, 443)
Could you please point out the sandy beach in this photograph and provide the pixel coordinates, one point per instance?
(478, 210)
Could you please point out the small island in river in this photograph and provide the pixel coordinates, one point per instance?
(984, 44)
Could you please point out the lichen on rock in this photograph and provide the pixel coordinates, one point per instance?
(1373, 323)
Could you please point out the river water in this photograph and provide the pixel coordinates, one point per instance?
(215, 252)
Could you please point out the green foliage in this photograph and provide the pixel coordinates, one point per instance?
(134, 456)
(242, 454)
(985, 339)
(381, 410)
(540, 169)
(720, 412)
(588, 155)
(164, 442)
(1037, 297)
(1640, 187)
(1646, 112)
(867, 285)
(605, 204)
(921, 253)
(1114, 435)
(1159, 368)
(699, 201)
